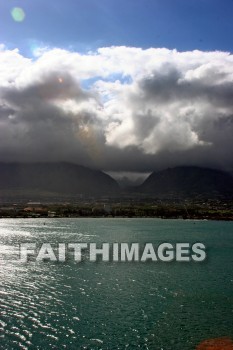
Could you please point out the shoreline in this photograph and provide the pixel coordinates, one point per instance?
(217, 210)
(116, 217)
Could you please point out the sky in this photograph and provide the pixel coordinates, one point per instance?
(123, 86)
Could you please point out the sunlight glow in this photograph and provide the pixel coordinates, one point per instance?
(17, 14)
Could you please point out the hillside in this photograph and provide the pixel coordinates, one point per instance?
(188, 182)
(54, 179)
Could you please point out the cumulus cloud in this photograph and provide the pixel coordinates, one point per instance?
(117, 109)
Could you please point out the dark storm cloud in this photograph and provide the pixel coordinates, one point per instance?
(176, 109)
(170, 86)
(35, 128)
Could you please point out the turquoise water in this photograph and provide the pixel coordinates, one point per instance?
(132, 305)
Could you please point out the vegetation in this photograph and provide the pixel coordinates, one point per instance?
(210, 209)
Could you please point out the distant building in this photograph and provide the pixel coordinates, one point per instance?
(51, 214)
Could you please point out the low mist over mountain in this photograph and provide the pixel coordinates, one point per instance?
(54, 179)
(188, 182)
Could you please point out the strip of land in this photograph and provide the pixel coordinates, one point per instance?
(195, 210)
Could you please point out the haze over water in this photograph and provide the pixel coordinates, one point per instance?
(132, 305)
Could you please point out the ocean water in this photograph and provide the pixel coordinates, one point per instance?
(115, 305)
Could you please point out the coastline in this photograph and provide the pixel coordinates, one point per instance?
(217, 210)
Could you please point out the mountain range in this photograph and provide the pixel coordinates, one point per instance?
(188, 182)
(54, 180)
(61, 180)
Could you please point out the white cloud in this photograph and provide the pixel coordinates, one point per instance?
(117, 108)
